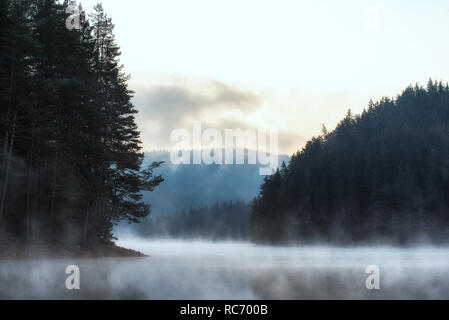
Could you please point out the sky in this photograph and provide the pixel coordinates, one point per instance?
(286, 65)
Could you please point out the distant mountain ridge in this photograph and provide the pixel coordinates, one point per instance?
(192, 185)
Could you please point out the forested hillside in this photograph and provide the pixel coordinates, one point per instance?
(382, 175)
(188, 186)
(220, 221)
(70, 149)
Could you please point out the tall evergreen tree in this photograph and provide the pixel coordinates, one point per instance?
(70, 146)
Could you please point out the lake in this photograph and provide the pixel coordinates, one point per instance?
(234, 270)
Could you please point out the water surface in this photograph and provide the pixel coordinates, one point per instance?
(232, 270)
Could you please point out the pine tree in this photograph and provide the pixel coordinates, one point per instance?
(67, 126)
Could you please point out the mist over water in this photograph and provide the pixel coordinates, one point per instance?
(235, 270)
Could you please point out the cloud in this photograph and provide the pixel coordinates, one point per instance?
(298, 115)
(163, 108)
(230, 96)
(193, 99)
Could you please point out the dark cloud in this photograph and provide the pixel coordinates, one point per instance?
(180, 101)
(227, 95)
(169, 107)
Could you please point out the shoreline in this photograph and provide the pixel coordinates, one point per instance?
(12, 251)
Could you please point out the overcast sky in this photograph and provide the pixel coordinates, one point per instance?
(286, 65)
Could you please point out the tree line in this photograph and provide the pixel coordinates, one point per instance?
(221, 221)
(70, 148)
(380, 176)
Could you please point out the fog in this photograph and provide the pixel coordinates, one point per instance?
(235, 270)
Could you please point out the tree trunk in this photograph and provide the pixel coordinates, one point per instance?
(30, 189)
(7, 155)
(4, 154)
(86, 226)
(7, 166)
(53, 193)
